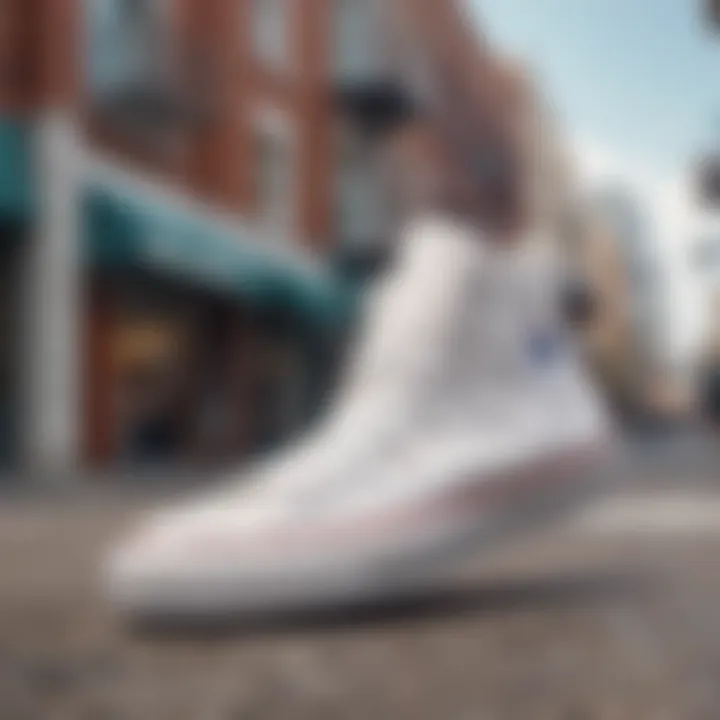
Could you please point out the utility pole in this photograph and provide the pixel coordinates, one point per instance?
(53, 413)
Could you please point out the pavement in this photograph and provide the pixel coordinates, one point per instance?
(613, 613)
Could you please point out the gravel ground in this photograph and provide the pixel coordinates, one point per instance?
(567, 625)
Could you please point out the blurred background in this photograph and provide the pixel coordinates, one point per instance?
(193, 203)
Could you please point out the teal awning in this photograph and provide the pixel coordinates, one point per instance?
(15, 163)
(126, 232)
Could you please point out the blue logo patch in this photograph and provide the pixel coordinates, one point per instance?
(545, 347)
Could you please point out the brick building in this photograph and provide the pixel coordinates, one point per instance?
(176, 186)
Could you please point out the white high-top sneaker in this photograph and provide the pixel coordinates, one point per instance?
(465, 415)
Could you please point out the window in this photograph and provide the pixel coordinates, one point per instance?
(275, 182)
(270, 31)
(128, 42)
(141, 27)
(360, 214)
(355, 52)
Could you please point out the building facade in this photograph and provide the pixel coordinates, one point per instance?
(176, 185)
(652, 385)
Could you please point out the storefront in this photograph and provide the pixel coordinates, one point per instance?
(199, 345)
(178, 376)
(14, 213)
(200, 348)
(10, 341)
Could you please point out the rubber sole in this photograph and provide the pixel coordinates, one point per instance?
(472, 517)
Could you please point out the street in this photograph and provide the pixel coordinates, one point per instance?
(613, 614)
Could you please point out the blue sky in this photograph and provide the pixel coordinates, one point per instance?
(640, 77)
(636, 84)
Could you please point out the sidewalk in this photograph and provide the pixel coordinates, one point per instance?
(558, 627)
(677, 458)
(118, 484)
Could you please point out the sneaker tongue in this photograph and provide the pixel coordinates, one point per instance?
(412, 314)
(399, 358)
(469, 346)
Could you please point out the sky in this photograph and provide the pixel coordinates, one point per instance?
(636, 88)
